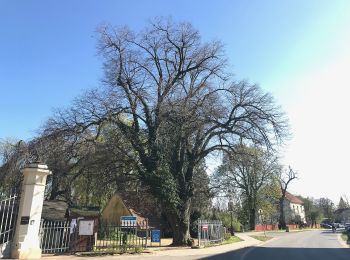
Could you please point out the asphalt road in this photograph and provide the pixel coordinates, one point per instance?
(311, 245)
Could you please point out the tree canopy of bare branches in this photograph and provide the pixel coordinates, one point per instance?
(284, 178)
(169, 95)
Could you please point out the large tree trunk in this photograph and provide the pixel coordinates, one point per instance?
(54, 187)
(181, 232)
(179, 221)
(252, 216)
(251, 211)
(282, 220)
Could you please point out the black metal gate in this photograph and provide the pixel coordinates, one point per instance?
(8, 217)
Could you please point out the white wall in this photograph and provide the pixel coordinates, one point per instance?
(292, 210)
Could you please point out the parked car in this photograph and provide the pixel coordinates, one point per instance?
(337, 225)
(347, 227)
(325, 225)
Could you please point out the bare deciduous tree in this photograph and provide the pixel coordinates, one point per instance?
(14, 155)
(284, 178)
(172, 101)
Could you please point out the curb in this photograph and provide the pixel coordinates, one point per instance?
(200, 252)
(270, 240)
(258, 245)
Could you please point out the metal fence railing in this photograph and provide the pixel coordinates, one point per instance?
(8, 217)
(117, 237)
(55, 236)
(210, 231)
(64, 236)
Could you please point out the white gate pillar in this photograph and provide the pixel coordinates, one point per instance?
(26, 244)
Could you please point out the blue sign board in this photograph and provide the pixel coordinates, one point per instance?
(128, 221)
(128, 218)
(155, 235)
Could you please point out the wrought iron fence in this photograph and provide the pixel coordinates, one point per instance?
(55, 236)
(8, 217)
(61, 237)
(118, 237)
(210, 231)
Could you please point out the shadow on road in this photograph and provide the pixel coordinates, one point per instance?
(331, 232)
(280, 253)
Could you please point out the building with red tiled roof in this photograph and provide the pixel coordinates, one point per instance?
(291, 198)
(294, 209)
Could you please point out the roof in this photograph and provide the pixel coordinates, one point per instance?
(341, 211)
(56, 210)
(114, 209)
(141, 220)
(84, 212)
(293, 199)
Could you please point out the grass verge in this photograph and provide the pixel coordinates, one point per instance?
(113, 251)
(346, 237)
(228, 240)
(261, 238)
(231, 239)
(304, 229)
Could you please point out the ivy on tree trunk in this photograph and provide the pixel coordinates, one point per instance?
(173, 102)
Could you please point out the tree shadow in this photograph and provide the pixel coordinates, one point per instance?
(331, 232)
(281, 253)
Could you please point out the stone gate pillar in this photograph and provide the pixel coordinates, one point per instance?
(26, 244)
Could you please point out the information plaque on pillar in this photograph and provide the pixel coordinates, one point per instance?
(24, 220)
(86, 227)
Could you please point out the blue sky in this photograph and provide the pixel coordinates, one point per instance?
(48, 54)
